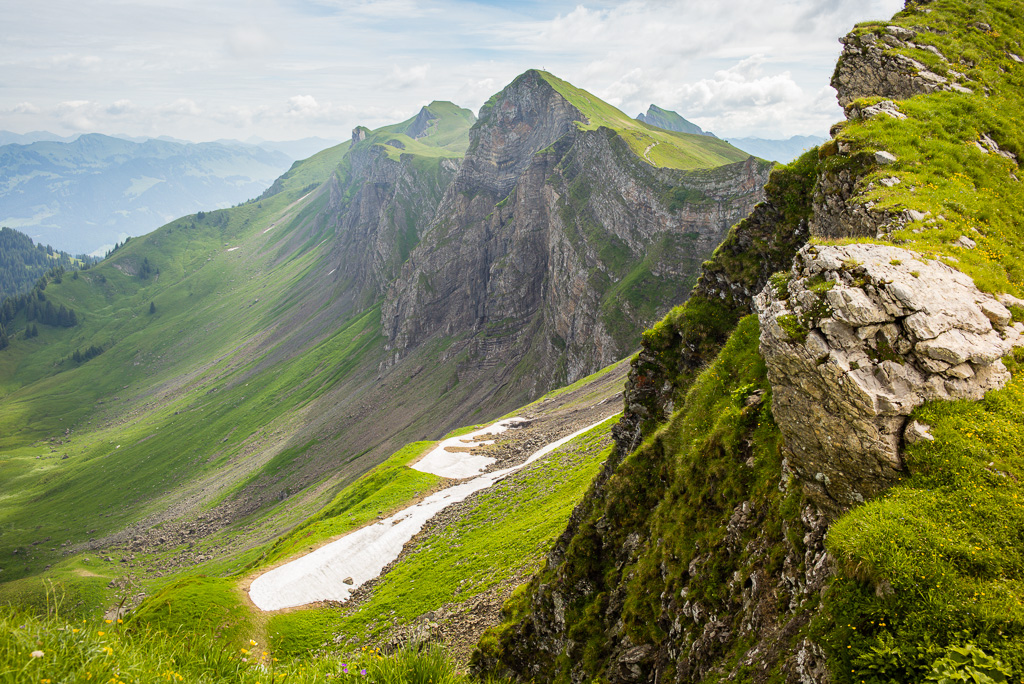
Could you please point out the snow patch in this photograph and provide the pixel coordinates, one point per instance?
(364, 553)
(447, 462)
(232, 249)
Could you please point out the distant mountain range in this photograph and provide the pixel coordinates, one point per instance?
(775, 150)
(86, 193)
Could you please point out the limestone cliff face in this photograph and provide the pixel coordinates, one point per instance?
(376, 207)
(870, 66)
(554, 246)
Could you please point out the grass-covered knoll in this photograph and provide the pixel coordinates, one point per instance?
(55, 648)
(945, 168)
(657, 146)
(503, 533)
(441, 129)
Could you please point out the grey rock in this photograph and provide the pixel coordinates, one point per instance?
(516, 255)
(883, 108)
(878, 344)
(883, 157)
(916, 432)
(869, 67)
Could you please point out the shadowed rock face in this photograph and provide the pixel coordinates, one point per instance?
(858, 338)
(374, 211)
(554, 246)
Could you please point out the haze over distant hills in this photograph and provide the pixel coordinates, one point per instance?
(776, 150)
(85, 193)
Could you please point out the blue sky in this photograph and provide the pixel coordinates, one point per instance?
(285, 69)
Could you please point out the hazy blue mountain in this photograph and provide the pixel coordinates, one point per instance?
(8, 138)
(85, 195)
(296, 149)
(777, 150)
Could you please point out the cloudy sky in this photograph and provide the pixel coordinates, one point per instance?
(287, 69)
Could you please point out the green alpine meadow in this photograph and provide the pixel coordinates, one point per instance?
(546, 393)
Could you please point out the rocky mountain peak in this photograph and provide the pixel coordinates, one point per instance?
(670, 121)
(550, 216)
(420, 124)
(524, 118)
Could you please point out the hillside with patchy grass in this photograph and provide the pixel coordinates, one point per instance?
(826, 490)
(232, 374)
(221, 385)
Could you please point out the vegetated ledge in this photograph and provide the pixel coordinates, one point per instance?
(682, 564)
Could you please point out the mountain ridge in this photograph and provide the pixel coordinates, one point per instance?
(247, 378)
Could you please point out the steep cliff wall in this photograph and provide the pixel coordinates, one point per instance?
(378, 205)
(806, 504)
(556, 244)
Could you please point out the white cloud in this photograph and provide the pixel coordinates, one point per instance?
(24, 108)
(741, 86)
(73, 61)
(121, 107)
(410, 76)
(77, 115)
(203, 69)
(183, 106)
(248, 42)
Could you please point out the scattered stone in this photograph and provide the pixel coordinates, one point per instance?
(883, 157)
(916, 432)
(966, 242)
(348, 580)
(885, 107)
(889, 182)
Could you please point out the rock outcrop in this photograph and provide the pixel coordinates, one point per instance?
(871, 67)
(554, 246)
(857, 338)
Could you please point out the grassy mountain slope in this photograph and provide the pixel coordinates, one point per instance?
(746, 582)
(22, 262)
(462, 565)
(226, 399)
(658, 146)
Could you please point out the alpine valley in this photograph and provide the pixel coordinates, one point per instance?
(758, 422)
